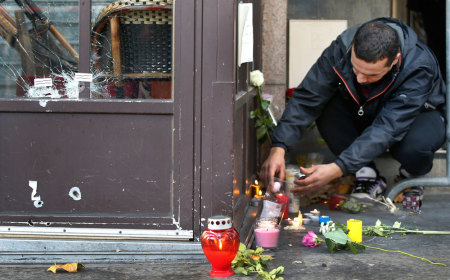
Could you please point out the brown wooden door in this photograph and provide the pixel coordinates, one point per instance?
(117, 167)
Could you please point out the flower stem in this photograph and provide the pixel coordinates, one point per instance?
(404, 230)
(397, 251)
(428, 231)
(260, 105)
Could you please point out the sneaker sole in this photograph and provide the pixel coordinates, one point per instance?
(364, 198)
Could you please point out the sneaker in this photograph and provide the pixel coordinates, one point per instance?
(368, 185)
(416, 192)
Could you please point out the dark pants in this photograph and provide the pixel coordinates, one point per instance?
(339, 125)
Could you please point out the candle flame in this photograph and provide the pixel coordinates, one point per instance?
(260, 192)
(220, 244)
(300, 217)
(256, 182)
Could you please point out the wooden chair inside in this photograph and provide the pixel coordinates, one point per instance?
(132, 46)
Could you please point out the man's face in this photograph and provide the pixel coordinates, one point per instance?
(367, 72)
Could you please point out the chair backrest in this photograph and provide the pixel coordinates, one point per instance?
(145, 30)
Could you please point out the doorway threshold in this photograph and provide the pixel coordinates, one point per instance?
(94, 233)
(41, 250)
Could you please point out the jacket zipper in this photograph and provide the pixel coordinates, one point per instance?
(361, 110)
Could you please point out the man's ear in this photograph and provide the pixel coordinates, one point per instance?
(397, 57)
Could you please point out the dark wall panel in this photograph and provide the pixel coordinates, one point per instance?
(120, 163)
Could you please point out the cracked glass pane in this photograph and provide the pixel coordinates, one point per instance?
(39, 49)
(132, 49)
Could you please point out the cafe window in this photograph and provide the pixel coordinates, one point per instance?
(130, 45)
(39, 44)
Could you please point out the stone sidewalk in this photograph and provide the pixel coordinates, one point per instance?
(309, 263)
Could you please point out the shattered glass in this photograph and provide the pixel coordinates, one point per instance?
(131, 49)
(39, 39)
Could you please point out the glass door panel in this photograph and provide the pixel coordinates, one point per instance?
(132, 49)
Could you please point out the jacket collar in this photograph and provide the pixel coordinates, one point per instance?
(344, 70)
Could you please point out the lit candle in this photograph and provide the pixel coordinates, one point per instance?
(355, 230)
(297, 222)
(259, 195)
(300, 217)
(284, 200)
(255, 189)
(266, 233)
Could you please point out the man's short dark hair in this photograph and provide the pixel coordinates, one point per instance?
(376, 40)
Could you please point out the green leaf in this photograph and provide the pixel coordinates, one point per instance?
(274, 271)
(258, 266)
(351, 205)
(242, 247)
(265, 104)
(252, 114)
(330, 245)
(258, 123)
(397, 224)
(261, 132)
(378, 223)
(338, 236)
(259, 250)
(241, 270)
(378, 231)
(352, 248)
(263, 275)
(280, 270)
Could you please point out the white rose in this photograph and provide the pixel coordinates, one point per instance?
(256, 78)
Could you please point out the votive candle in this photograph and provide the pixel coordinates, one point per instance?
(355, 230)
(267, 237)
(267, 233)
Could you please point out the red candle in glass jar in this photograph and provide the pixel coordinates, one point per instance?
(220, 243)
(284, 199)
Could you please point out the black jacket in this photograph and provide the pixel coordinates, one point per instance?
(413, 85)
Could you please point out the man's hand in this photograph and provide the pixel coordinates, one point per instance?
(273, 165)
(319, 175)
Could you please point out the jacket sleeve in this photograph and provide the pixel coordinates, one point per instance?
(392, 122)
(308, 99)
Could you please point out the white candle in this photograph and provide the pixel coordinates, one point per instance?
(297, 222)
